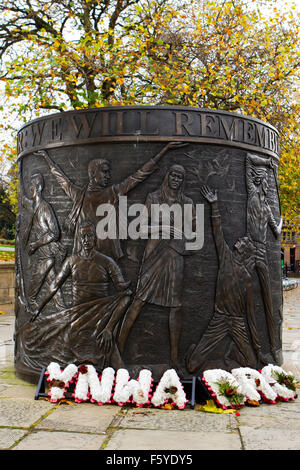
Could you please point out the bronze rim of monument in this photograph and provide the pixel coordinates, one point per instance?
(137, 303)
(199, 125)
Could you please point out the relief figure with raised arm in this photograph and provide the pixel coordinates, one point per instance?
(87, 198)
(234, 312)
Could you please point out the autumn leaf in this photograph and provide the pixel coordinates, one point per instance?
(210, 407)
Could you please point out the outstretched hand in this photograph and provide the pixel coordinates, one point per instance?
(279, 226)
(208, 194)
(166, 148)
(41, 153)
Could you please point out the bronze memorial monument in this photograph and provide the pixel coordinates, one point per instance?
(148, 237)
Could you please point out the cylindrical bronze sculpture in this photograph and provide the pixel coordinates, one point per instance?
(148, 237)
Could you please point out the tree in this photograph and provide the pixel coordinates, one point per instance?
(70, 54)
(7, 215)
(234, 55)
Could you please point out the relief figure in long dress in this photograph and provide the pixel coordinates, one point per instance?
(160, 279)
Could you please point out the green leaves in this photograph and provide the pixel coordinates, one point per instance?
(233, 55)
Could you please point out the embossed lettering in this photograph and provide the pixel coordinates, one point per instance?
(261, 135)
(22, 140)
(144, 123)
(83, 124)
(105, 123)
(230, 130)
(183, 122)
(120, 123)
(208, 125)
(56, 129)
(272, 142)
(249, 132)
(37, 132)
(187, 124)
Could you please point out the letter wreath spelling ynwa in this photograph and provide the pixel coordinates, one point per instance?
(138, 248)
(228, 390)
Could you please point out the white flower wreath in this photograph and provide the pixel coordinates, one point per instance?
(59, 380)
(269, 373)
(169, 387)
(252, 382)
(89, 387)
(138, 389)
(213, 378)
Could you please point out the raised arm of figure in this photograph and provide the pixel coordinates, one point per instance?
(66, 184)
(146, 170)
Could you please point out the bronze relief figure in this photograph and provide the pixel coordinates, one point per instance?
(41, 240)
(85, 332)
(160, 279)
(86, 199)
(234, 306)
(259, 217)
(210, 300)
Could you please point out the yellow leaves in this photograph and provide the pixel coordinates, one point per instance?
(167, 406)
(210, 407)
(253, 403)
(56, 44)
(216, 53)
(185, 88)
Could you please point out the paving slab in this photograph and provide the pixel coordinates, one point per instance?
(177, 420)
(83, 417)
(9, 436)
(269, 422)
(22, 412)
(17, 391)
(270, 438)
(46, 440)
(134, 439)
(286, 410)
(88, 426)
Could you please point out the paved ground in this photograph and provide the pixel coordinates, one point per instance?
(26, 424)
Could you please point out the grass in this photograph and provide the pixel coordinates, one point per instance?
(8, 375)
(7, 255)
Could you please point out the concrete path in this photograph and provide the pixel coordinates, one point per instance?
(26, 424)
